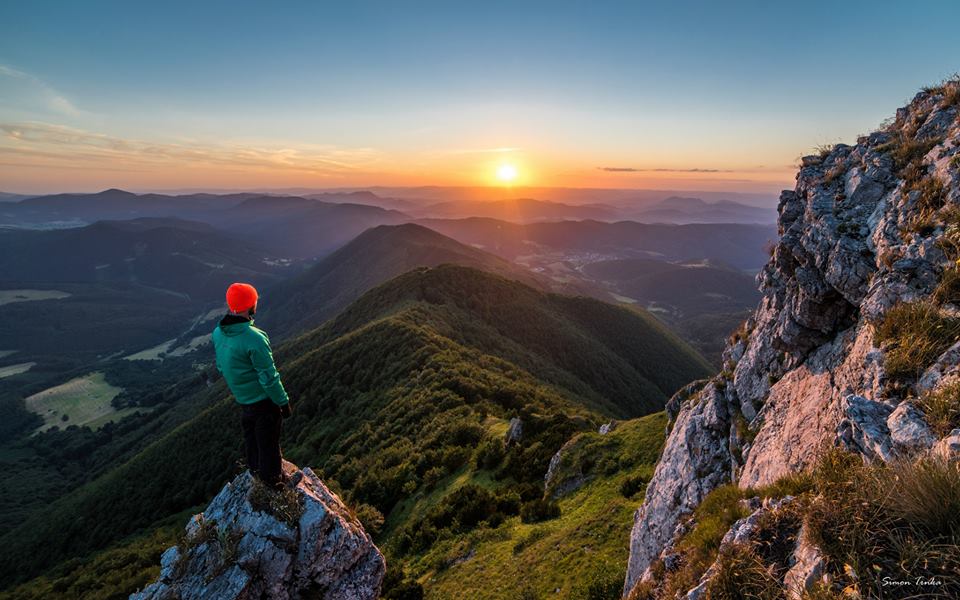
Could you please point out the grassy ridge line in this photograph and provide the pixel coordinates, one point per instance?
(588, 346)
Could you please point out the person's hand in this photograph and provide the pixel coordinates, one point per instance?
(286, 410)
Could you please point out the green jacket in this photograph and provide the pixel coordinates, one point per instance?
(246, 362)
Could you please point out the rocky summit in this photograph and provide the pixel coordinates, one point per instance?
(252, 542)
(852, 343)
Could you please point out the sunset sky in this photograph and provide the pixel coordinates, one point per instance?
(679, 95)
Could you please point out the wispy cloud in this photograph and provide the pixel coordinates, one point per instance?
(662, 170)
(37, 143)
(28, 91)
(483, 150)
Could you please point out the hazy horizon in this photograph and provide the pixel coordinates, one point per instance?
(570, 195)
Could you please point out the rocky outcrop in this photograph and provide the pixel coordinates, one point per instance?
(742, 532)
(695, 460)
(514, 431)
(867, 227)
(551, 486)
(251, 542)
(807, 566)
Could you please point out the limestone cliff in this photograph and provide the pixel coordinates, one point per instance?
(870, 230)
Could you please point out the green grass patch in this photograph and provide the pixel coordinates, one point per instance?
(82, 401)
(152, 353)
(582, 553)
(630, 445)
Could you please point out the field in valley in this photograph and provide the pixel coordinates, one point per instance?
(83, 401)
(11, 296)
(11, 370)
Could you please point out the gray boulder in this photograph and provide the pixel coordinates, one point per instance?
(864, 429)
(949, 447)
(909, 431)
(514, 431)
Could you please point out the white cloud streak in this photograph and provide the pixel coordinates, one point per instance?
(44, 144)
(23, 90)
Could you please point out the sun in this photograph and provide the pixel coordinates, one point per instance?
(506, 173)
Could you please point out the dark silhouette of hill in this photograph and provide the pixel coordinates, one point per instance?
(368, 198)
(683, 210)
(11, 197)
(114, 204)
(703, 301)
(301, 227)
(180, 256)
(394, 393)
(291, 226)
(373, 257)
(686, 288)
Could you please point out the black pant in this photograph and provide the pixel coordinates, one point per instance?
(262, 423)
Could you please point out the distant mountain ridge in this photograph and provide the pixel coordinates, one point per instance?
(740, 245)
(290, 226)
(185, 257)
(375, 256)
(120, 204)
(678, 209)
(10, 197)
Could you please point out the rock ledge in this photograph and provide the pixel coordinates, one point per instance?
(254, 543)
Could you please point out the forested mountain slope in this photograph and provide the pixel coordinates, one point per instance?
(398, 393)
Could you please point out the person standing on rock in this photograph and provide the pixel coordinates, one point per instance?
(246, 362)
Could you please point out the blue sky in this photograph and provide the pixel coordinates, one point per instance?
(692, 95)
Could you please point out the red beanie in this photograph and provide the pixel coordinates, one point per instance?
(241, 296)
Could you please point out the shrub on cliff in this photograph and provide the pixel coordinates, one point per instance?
(916, 334)
(942, 408)
(900, 521)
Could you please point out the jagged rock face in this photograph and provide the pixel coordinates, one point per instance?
(806, 373)
(695, 460)
(237, 549)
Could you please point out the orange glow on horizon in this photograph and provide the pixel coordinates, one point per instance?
(51, 159)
